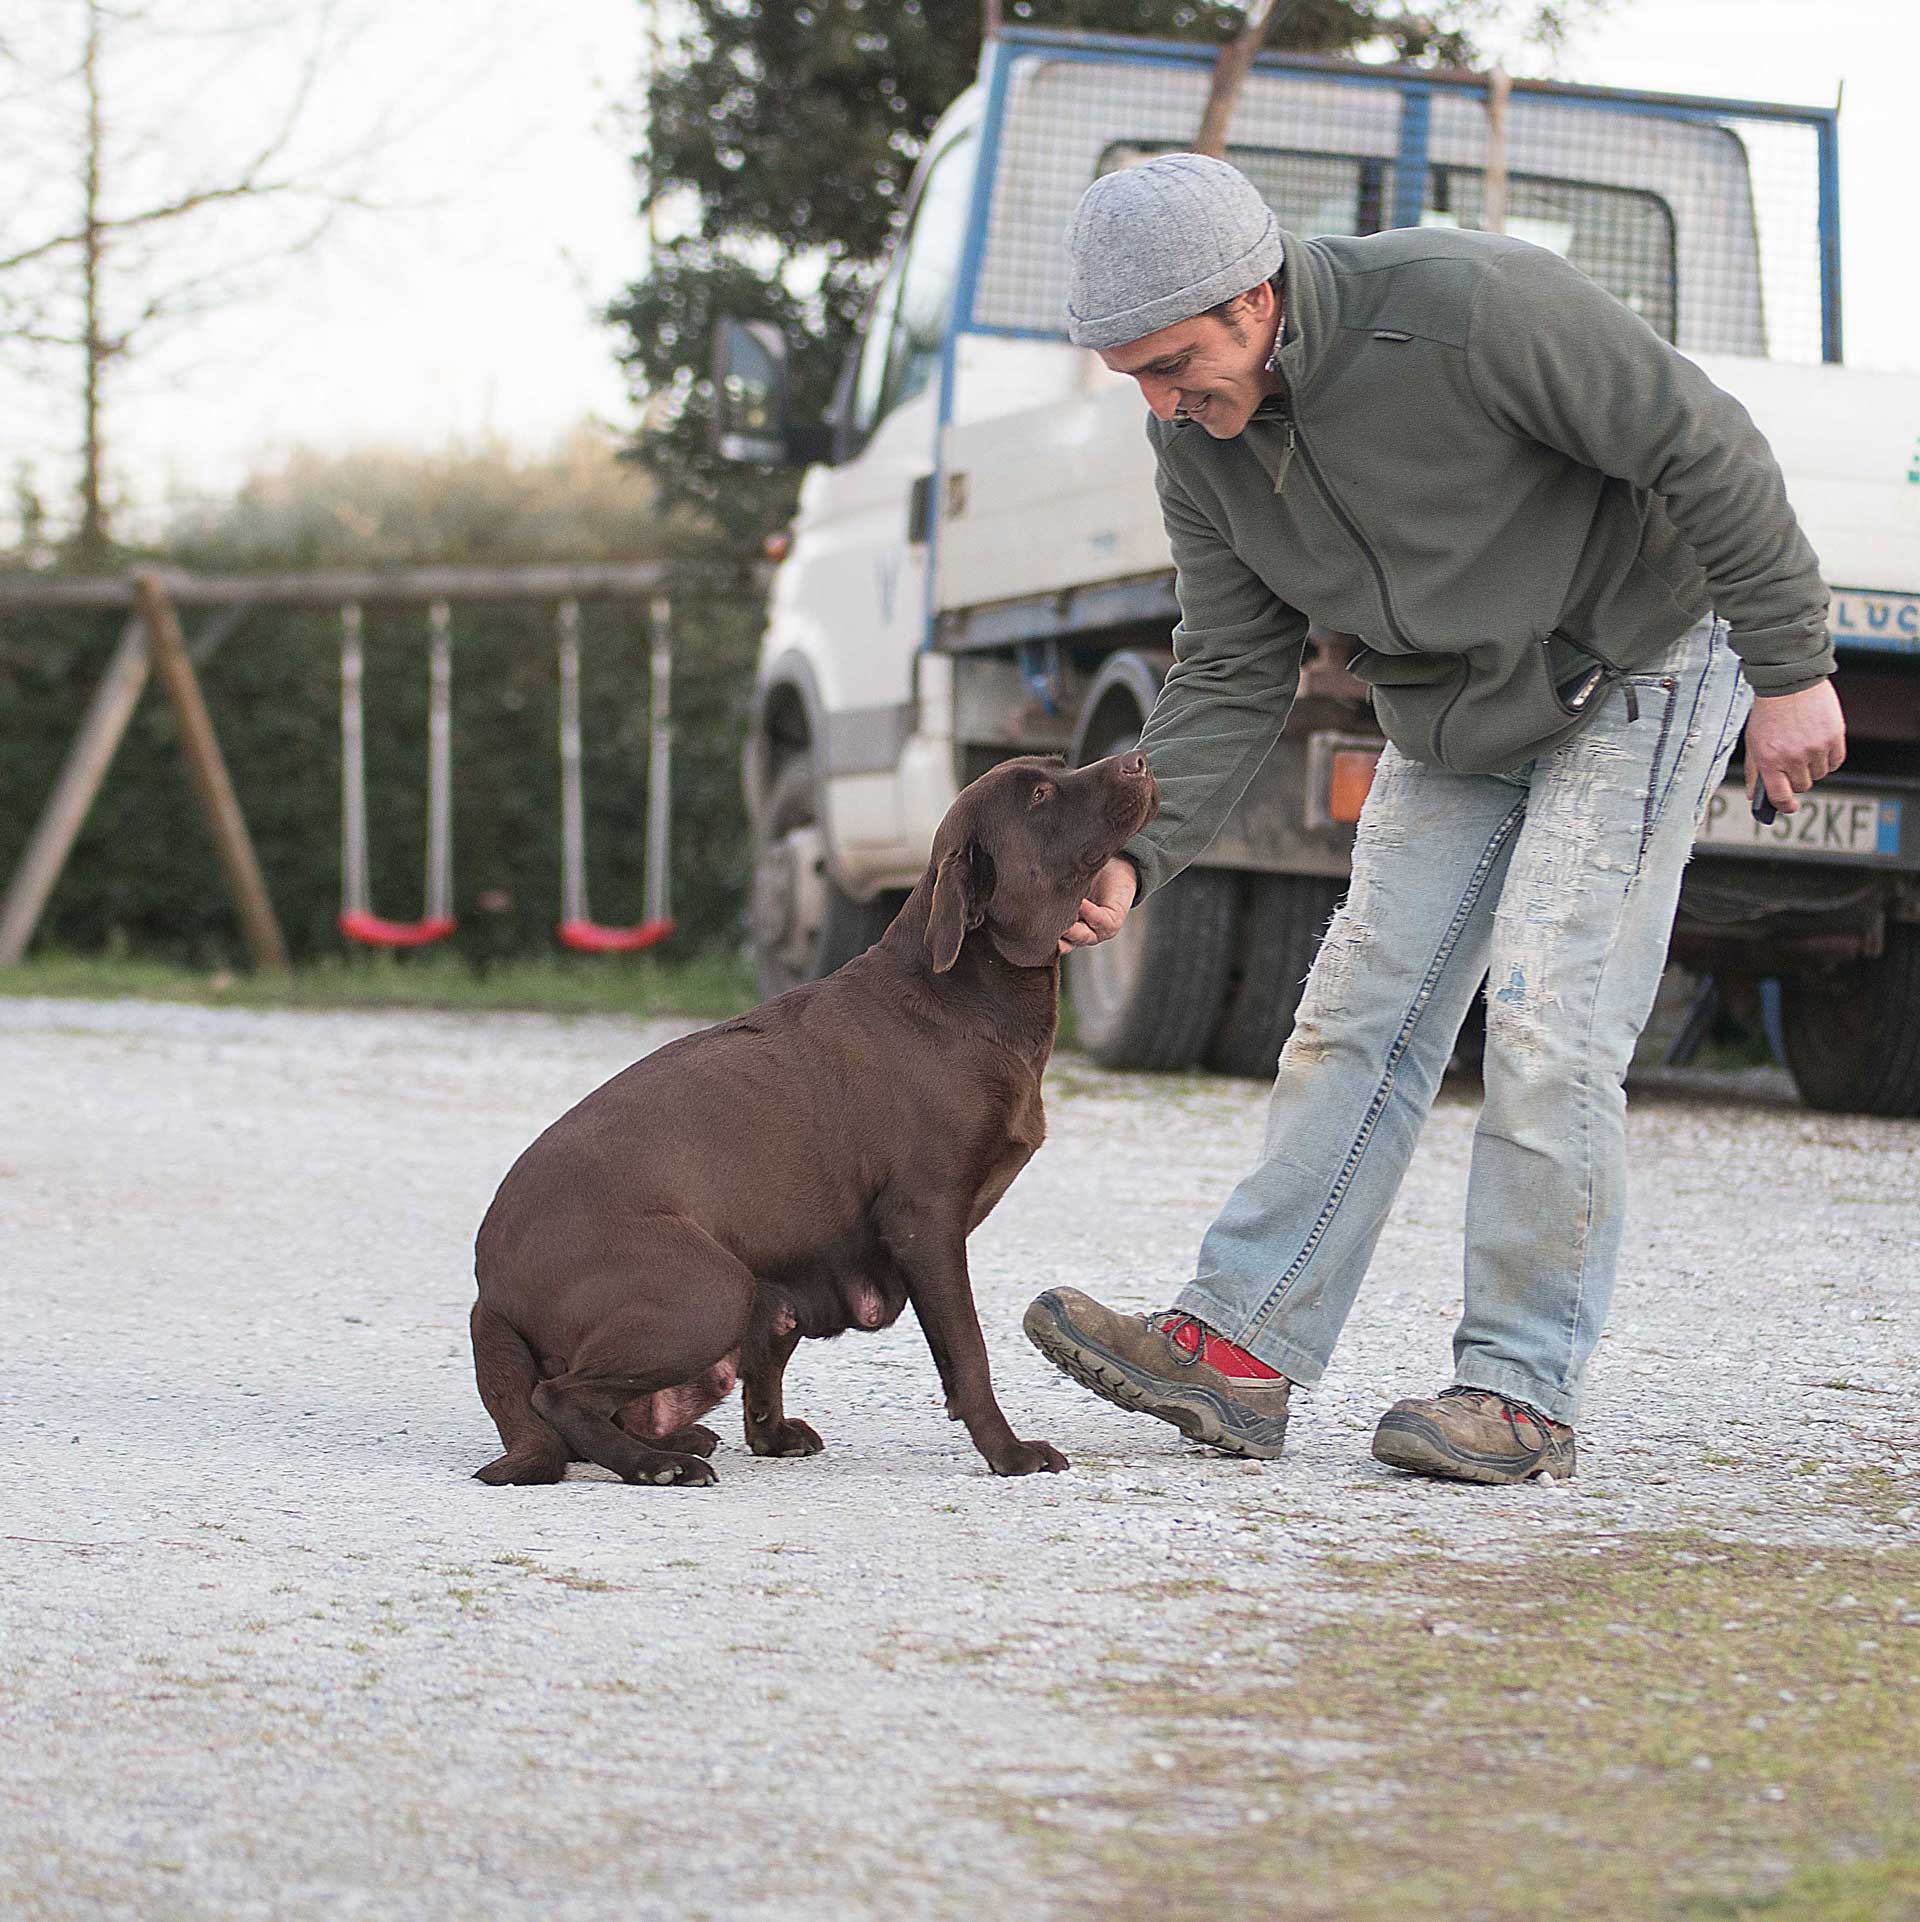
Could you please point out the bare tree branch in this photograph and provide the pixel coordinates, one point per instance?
(1230, 71)
(111, 277)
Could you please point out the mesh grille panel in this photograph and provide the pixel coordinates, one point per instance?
(1706, 225)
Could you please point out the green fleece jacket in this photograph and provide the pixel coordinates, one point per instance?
(1493, 472)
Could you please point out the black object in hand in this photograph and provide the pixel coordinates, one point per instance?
(1764, 810)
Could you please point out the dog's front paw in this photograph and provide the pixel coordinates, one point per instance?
(1029, 1458)
(784, 1438)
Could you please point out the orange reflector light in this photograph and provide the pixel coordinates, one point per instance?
(1349, 780)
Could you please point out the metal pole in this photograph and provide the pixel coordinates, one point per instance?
(439, 906)
(1829, 147)
(658, 905)
(356, 880)
(573, 830)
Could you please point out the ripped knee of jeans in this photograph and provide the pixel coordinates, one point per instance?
(1349, 935)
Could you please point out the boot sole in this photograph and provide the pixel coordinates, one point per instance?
(1200, 1413)
(1422, 1448)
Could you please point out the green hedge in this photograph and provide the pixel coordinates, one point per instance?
(143, 877)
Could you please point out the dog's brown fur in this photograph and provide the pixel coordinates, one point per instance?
(809, 1168)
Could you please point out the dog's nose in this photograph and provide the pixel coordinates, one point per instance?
(1133, 766)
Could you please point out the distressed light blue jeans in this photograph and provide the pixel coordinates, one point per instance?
(1558, 882)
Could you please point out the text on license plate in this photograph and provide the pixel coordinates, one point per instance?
(1826, 824)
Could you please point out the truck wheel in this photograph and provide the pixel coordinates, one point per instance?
(804, 925)
(1150, 997)
(1280, 929)
(1853, 1038)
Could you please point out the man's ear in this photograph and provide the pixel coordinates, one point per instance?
(962, 886)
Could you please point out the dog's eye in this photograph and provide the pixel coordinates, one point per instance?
(1044, 792)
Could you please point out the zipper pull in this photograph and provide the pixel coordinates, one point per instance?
(1286, 459)
(1633, 702)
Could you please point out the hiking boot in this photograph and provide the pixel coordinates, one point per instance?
(1170, 1365)
(1474, 1435)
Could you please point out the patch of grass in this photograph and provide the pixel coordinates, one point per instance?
(1878, 1495)
(1666, 1728)
(1885, 1889)
(709, 982)
(1170, 1588)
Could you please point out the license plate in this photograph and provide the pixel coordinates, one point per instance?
(1827, 826)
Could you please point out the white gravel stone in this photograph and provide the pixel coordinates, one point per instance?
(266, 1650)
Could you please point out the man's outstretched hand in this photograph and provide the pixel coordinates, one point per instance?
(1794, 740)
(1105, 907)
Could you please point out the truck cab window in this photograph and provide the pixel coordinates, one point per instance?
(1624, 237)
(909, 316)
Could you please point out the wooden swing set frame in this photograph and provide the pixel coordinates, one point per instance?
(152, 641)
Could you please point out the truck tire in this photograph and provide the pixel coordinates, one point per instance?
(1281, 923)
(803, 923)
(1853, 1038)
(1151, 996)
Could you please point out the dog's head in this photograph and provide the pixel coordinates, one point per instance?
(1017, 850)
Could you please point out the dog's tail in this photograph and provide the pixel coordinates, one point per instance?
(505, 1369)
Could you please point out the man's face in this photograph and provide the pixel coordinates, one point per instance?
(1212, 368)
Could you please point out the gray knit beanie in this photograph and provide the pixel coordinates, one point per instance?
(1161, 242)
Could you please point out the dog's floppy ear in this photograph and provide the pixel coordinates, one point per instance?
(962, 886)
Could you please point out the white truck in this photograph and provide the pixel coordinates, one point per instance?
(978, 569)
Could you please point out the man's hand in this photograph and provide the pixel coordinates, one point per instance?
(1105, 907)
(1794, 740)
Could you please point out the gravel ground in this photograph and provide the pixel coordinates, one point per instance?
(266, 1649)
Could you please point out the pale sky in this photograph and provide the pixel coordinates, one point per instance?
(471, 311)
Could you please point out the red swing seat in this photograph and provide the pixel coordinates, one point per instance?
(357, 924)
(590, 937)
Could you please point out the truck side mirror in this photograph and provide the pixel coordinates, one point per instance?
(750, 399)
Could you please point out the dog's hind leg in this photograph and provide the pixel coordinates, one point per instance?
(671, 1319)
(506, 1371)
(670, 1419)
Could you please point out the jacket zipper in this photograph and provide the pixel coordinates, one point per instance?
(1346, 520)
(1610, 670)
(1286, 459)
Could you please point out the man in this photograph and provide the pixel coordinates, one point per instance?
(1573, 563)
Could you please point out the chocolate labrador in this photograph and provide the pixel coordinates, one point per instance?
(809, 1168)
